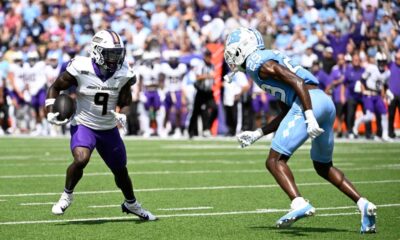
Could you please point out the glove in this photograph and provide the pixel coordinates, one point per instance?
(247, 138)
(389, 96)
(52, 118)
(313, 128)
(121, 119)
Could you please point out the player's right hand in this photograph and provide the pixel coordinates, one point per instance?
(247, 138)
(52, 118)
(313, 128)
(121, 119)
(389, 96)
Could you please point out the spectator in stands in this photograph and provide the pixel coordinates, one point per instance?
(393, 92)
(352, 83)
(328, 60)
(337, 90)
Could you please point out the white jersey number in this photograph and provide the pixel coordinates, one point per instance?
(286, 60)
(274, 91)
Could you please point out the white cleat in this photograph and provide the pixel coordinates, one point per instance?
(293, 215)
(387, 139)
(62, 204)
(368, 218)
(136, 209)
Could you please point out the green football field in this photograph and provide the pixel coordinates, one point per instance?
(208, 189)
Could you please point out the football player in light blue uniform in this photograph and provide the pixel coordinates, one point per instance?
(306, 112)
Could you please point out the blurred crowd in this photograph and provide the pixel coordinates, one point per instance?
(176, 46)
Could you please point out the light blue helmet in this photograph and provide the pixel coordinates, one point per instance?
(239, 44)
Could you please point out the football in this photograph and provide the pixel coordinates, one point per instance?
(65, 105)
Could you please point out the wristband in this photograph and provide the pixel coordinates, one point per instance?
(309, 114)
(49, 101)
(260, 132)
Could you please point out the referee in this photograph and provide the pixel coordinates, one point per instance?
(204, 100)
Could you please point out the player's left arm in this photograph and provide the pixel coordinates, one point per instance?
(125, 96)
(280, 73)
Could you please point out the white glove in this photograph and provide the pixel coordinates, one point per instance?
(389, 96)
(313, 128)
(52, 118)
(247, 138)
(121, 119)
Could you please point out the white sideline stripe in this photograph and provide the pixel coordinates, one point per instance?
(167, 172)
(166, 162)
(336, 214)
(184, 209)
(161, 209)
(36, 203)
(334, 208)
(195, 188)
(219, 146)
(105, 206)
(177, 215)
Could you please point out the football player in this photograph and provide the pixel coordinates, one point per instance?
(18, 90)
(103, 83)
(149, 81)
(173, 71)
(306, 112)
(374, 78)
(35, 78)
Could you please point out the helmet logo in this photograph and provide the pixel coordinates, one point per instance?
(234, 37)
(97, 39)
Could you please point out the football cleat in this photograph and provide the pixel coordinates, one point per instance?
(368, 218)
(294, 215)
(62, 204)
(136, 209)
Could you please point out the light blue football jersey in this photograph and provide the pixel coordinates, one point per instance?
(279, 89)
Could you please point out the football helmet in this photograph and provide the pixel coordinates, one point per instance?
(33, 57)
(18, 58)
(381, 61)
(107, 50)
(239, 44)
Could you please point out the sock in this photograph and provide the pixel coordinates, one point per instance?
(67, 191)
(361, 203)
(132, 201)
(298, 202)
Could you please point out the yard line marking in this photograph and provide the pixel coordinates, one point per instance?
(220, 146)
(173, 215)
(105, 206)
(36, 203)
(168, 172)
(2, 200)
(196, 188)
(166, 162)
(336, 214)
(162, 209)
(334, 208)
(184, 209)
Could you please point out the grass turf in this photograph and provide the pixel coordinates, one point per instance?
(240, 199)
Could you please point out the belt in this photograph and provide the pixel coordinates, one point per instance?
(369, 93)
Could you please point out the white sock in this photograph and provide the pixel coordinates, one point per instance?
(385, 126)
(298, 203)
(361, 203)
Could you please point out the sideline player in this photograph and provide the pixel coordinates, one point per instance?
(374, 78)
(306, 112)
(103, 83)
